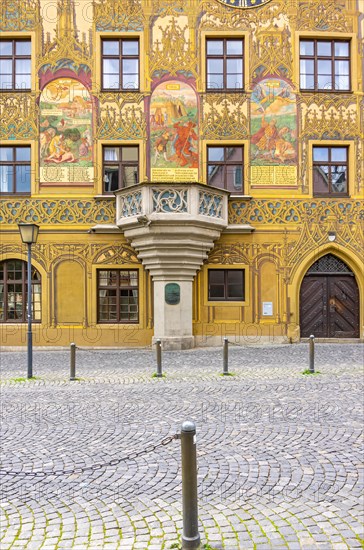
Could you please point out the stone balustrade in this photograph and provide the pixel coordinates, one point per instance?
(157, 200)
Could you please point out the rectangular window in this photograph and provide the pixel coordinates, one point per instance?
(330, 171)
(226, 285)
(325, 65)
(15, 65)
(225, 64)
(15, 169)
(118, 296)
(120, 64)
(120, 167)
(225, 168)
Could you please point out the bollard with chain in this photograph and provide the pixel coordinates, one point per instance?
(73, 362)
(226, 357)
(312, 354)
(190, 535)
(158, 346)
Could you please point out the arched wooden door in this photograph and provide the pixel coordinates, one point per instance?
(329, 300)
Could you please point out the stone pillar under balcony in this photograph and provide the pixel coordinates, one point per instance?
(173, 227)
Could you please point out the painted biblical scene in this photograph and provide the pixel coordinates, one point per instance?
(65, 138)
(273, 134)
(174, 132)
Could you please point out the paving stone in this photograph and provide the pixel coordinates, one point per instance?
(278, 452)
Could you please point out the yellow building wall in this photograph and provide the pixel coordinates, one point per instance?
(290, 225)
(69, 280)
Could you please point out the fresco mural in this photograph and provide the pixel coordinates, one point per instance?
(65, 138)
(273, 133)
(174, 132)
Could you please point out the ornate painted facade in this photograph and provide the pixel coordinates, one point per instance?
(172, 224)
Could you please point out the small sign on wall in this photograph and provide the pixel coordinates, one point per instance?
(172, 294)
(267, 308)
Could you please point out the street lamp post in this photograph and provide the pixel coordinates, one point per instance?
(29, 234)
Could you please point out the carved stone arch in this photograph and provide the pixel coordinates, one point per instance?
(300, 269)
(329, 286)
(268, 257)
(229, 254)
(121, 254)
(329, 264)
(12, 252)
(67, 258)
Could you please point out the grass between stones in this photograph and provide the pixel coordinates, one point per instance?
(21, 379)
(178, 546)
(309, 372)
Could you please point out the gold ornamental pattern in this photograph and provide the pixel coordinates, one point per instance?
(19, 116)
(215, 16)
(57, 211)
(272, 52)
(19, 15)
(92, 253)
(119, 15)
(166, 7)
(315, 219)
(298, 211)
(174, 52)
(324, 15)
(121, 117)
(224, 116)
(68, 49)
(330, 116)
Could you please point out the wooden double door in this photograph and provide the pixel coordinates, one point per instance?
(329, 306)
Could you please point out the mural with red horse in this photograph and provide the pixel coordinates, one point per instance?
(174, 132)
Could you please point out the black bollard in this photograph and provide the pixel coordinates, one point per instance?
(73, 362)
(190, 535)
(158, 347)
(226, 356)
(312, 354)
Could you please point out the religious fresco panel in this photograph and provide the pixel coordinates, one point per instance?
(273, 153)
(174, 132)
(65, 137)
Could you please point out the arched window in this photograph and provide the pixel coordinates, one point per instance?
(13, 292)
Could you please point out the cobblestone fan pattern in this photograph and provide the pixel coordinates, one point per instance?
(279, 452)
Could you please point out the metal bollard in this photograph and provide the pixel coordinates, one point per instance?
(73, 362)
(226, 356)
(158, 348)
(312, 354)
(190, 535)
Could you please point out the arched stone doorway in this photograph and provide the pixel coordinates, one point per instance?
(329, 300)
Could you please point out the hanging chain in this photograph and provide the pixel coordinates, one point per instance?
(90, 350)
(114, 462)
(236, 344)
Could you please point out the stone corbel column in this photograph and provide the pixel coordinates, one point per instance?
(173, 227)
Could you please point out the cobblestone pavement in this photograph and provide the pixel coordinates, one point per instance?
(279, 452)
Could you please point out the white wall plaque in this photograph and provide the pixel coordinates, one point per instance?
(267, 308)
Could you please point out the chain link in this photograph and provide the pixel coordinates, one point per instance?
(235, 344)
(94, 467)
(90, 350)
